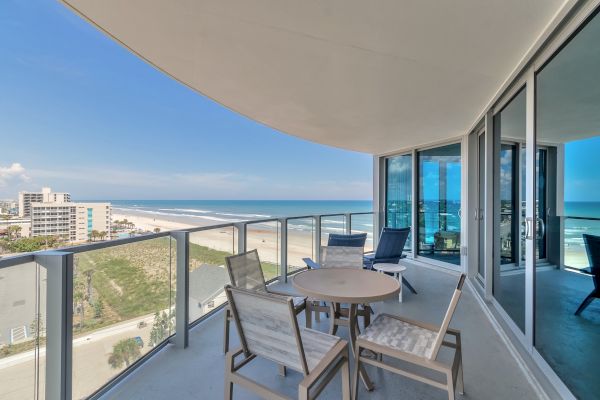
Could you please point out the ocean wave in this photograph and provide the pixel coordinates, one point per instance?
(243, 215)
(194, 210)
(166, 214)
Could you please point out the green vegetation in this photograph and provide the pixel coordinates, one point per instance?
(163, 325)
(23, 245)
(125, 352)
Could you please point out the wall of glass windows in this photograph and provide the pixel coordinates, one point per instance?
(567, 318)
(439, 200)
(545, 260)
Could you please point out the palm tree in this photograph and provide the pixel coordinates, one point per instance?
(94, 234)
(13, 231)
(102, 235)
(157, 230)
(125, 352)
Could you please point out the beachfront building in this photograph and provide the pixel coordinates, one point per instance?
(8, 207)
(477, 113)
(45, 196)
(73, 222)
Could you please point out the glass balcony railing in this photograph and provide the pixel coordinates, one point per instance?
(265, 236)
(332, 223)
(207, 272)
(300, 242)
(113, 304)
(123, 302)
(22, 330)
(575, 227)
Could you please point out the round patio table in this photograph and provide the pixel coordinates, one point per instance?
(347, 285)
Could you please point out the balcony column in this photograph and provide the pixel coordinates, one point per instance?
(59, 323)
(241, 228)
(317, 239)
(182, 312)
(283, 256)
(348, 224)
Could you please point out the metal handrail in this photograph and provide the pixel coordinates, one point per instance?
(584, 218)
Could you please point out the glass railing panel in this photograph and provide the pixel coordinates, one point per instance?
(122, 309)
(332, 224)
(363, 223)
(208, 275)
(574, 247)
(22, 331)
(301, 242)
(266, 238)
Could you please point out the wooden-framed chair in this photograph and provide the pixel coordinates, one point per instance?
(592, 248)
(415, 343)
(268, 328)
(338, 257)
(245, 272)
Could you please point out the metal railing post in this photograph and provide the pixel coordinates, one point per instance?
(317, 238)
(182, 312)
(241, 227)
(59, 323)
(348, 217)
(283, 256)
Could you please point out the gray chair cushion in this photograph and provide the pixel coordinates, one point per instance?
(316, 345)
(400, 335)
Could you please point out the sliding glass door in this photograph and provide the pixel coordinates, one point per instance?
(439, 203)
(398, 193)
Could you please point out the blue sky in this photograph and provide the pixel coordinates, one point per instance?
(81, 114)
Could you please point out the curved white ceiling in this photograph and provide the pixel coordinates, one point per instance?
(371, 76)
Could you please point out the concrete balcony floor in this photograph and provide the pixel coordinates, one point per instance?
(490, 370)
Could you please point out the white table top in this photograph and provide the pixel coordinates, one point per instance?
(346, 285)
(388, 267)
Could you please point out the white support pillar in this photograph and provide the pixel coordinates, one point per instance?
(530, 213)
(491, 218)
(283, 256)
(59, 323)
(182, 312)
(241, 228)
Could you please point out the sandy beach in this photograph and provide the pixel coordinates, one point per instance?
(263, 237)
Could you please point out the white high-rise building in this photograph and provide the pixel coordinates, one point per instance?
(71, 221)
(45, 196)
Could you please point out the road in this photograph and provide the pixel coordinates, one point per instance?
(90, 361)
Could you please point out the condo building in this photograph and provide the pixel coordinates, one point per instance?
(45, 196)
(72, 221)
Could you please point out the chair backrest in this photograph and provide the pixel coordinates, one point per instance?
(391, 242)
(355, 240)
(592, 248)
(341, 257)
(267, 327)
(245, 271)
(448, 317)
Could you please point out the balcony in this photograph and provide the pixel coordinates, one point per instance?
(96, 293)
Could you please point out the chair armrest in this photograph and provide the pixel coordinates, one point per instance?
(311, 264)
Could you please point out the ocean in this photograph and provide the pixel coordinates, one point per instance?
(206, 212)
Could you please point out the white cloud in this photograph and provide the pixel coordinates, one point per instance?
(98, 183)
(12, 173)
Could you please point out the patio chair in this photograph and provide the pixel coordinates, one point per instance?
(592, 248)
(389, 250)
(246, 272)
(355, 240)
(268, 328)
(416, 343)
(338, 257)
